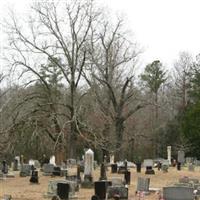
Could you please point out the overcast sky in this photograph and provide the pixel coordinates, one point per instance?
(162, 28)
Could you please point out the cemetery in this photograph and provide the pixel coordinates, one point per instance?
(33, 182)
(95, 105)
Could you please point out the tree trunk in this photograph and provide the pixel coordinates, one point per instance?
(119, 129)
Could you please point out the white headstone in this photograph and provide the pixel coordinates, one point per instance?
(31, 162)
(89, 162)
(52, 160)
(112, 159)
(169, 152)
(148, 163)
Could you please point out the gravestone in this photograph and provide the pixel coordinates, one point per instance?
(119, 192)
(52, 160)
(178, 193)
(112, 159)
(197, 162)
(25, 170)
(148, 163)
(143, 184)
(15, 165)
(56, 171)
(53, 188)
(48, 169)
(63, 190)
(103, 172)
(71, 162)
(4, 167)
(165, 165)
(169, 150)
(100, 188)
(191, 167)
(127, 177)
(117, 181)
(88, 169)
(114, 168)
(34, 177)
(138, 167)
(181, 159)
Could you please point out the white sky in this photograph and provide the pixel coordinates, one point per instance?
(162, 28)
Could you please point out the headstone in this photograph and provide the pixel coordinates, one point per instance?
(4, 167)
(181, 157)
(127, 177)
(53, 188)
(31, 162)
(165, 165)
(191, 167)
(88, 169)
(15, 165)
(143, 184)
(112, 159)
(178, 193)
(138, 167)
(103, 172)
(48, 169)
(25, 170)
(126, 165)
(63, 190)
(56, 171)
(71, 162)
(197, 162)
(52, 160)
(114, 168)
(34, 177)
(100, 188)
(178, 166)
(148, 163)
(119, 192)
(117, 181)
(169, 150)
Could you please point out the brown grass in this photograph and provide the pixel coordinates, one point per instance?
(20, 188)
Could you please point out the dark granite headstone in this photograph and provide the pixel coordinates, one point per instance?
(63, 190)
(4, 167)
(56, 171)
(138, 167)
(103, 172)
(114, 168)
(100, 188)
(127, 177)
(34, 177)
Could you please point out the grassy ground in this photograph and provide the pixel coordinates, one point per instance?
(20, 188)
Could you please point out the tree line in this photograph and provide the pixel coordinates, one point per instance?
(77, 88)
